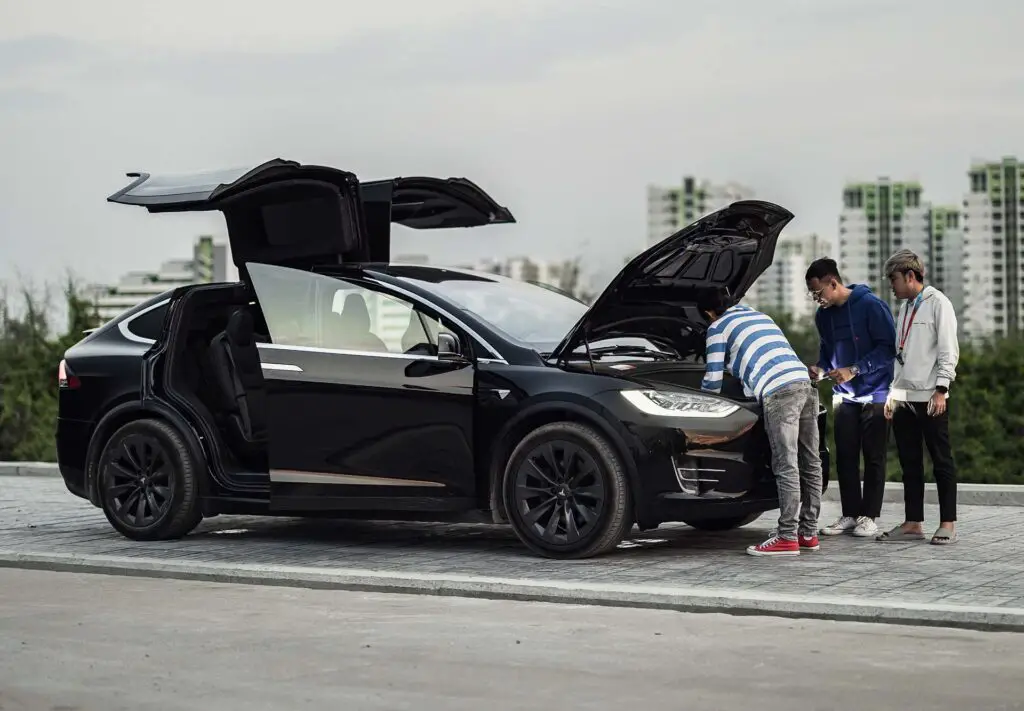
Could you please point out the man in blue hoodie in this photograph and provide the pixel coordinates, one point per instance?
(858, 348)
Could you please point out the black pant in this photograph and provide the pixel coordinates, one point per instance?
(912, 424)
(861, 429)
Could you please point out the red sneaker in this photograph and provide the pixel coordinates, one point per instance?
(775, 546)
(809, 543)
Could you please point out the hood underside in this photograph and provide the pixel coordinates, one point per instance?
(656, 294)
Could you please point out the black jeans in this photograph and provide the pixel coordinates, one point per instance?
(911, 424)
(861, 429)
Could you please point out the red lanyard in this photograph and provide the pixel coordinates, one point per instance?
(907, 323)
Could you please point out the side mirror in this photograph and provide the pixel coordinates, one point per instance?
(448, 347)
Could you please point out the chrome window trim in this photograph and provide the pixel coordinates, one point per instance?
(416, 299)
(123, 326)
(342, 351)
(281, 366)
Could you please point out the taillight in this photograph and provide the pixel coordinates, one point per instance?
(66, 380)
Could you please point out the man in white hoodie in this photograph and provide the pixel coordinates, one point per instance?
(927, 352)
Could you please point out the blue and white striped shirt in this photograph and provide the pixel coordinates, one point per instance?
(754, 349)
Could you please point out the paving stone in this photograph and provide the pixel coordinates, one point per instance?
(986, 566)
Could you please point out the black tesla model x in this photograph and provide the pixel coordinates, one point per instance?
(328, 381)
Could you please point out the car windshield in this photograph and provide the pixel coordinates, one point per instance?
(533, 315)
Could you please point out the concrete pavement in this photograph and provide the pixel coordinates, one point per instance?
(978, 582)
(100, 643)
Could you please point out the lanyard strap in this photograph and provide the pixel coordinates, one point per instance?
(907, 323)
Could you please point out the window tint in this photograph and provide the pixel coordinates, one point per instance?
(150, 324)
(362, 319)
(305, 309)
(536, 316)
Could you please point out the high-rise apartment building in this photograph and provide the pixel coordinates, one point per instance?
(672, 208)
(878, 219)
(945, 256)
(782, 288)
(993, 263)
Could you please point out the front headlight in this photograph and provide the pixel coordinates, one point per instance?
(676, 404)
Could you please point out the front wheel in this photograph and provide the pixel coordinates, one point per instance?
(727, 523)
(148, 482)
(566, 492)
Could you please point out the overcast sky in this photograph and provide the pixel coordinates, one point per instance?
(564, 110)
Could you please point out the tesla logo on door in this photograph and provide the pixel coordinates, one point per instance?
(502, 394)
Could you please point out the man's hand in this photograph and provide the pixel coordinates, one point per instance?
(814, 372)
(888, 408)
(841, 375)
(937, 404)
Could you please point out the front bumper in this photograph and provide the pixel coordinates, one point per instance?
(690, 469)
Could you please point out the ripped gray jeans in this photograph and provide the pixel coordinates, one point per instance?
(791, 421)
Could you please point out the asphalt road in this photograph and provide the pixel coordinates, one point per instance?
(91, 642)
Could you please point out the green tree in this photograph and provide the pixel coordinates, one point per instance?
(30, 353)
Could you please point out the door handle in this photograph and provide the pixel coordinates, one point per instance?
(281, 366)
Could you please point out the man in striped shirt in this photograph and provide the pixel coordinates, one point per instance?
(752, 348)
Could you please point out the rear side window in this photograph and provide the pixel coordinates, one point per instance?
(149, 324)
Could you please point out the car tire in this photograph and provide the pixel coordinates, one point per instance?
(582, 462)
(726, 523)
(148, 482)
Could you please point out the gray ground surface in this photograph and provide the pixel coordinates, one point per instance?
(985, 568)
(104, 643)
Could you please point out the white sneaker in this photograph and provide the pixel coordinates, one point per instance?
(841, 525)
(865, 528)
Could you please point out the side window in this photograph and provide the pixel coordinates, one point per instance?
(361, 319)
(287, 299)
(149, 324)
(306, 309)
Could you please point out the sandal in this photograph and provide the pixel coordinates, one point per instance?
(899, 535)
(943, 537)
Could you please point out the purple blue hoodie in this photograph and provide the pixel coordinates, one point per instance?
(861, 332)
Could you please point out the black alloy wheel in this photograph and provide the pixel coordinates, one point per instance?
(560, 493)
(138, 482)
(148, 489)
(566, 492)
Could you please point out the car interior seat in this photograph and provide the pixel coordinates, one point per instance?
(240, 393)
(351, 328)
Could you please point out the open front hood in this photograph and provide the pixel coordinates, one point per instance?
(655, 295)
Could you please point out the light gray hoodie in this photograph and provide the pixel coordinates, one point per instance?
(931, 350)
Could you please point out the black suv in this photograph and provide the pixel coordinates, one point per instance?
(328, 381)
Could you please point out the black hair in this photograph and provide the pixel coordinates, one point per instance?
(822, 269)
(716, 300)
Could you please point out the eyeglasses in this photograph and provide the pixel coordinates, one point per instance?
(815, 296)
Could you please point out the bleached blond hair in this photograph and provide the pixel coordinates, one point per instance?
(902, 262)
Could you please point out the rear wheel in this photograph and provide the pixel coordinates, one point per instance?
(148, 483)
(723, 524)
(566, 492)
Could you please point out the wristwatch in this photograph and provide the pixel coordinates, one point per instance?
(855, 370)
(941, 389)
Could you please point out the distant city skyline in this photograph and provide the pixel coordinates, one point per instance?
(972, 246)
